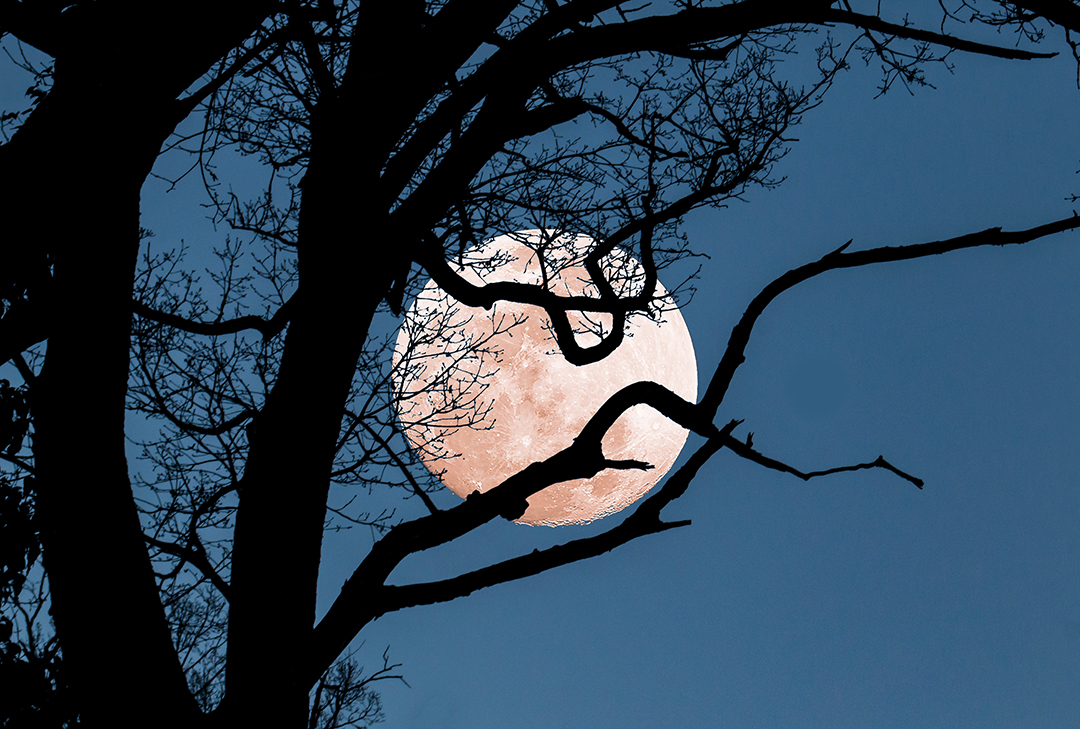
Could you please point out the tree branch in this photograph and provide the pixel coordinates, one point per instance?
(268, 328)
(355, 607)
(416, 487)
(745, 451)
(430, 256)
(361, 598)
(1061, 12)
(734, 355)
(196, 557)
(21, 329)
(17, 461)
(643, 521)
(188, 103)
(394, 597)
(872, 22)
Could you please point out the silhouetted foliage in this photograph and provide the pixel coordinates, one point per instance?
(389, 137)
(36, 694)
(19, 546)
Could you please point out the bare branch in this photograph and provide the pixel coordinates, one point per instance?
(220, 79)
(194, 556)
(416, 487)
(747, 452)
(1061, 12)
(872, 22)
(354, 607)
(268, 328)
(734, 355)
(643, 521)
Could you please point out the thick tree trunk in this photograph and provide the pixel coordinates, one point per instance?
(79, 195)
(280, 522)
(71, 186)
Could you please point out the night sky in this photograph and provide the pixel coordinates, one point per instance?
(854, 600)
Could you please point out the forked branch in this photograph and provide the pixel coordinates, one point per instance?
(193, 555)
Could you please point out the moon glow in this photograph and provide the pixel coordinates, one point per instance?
(481, 394)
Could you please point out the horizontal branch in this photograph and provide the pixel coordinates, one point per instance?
(266, 327)
(872, 22)
(747, 452)
(395, 597)
(699, 53)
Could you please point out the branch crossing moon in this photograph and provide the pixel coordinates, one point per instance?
(482, 393)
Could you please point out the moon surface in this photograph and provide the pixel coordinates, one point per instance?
(482, 393)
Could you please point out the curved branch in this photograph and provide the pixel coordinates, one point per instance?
(555, 306)
(872, 22)
(734, 355)
(268, 328)
(355, 606)
(163, 409)
(430, 256)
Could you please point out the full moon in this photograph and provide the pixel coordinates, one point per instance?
(482, 393)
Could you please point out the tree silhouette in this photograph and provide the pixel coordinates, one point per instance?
(392, 136)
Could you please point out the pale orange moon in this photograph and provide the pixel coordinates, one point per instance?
(481, 394)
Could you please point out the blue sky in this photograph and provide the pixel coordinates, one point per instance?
(853, 600)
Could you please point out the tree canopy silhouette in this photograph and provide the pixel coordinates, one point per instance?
(391, 136)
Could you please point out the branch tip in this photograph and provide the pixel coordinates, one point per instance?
(840, 250)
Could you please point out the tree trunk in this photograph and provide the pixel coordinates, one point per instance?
(71, 186)
(279, 525)
(78, 194)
